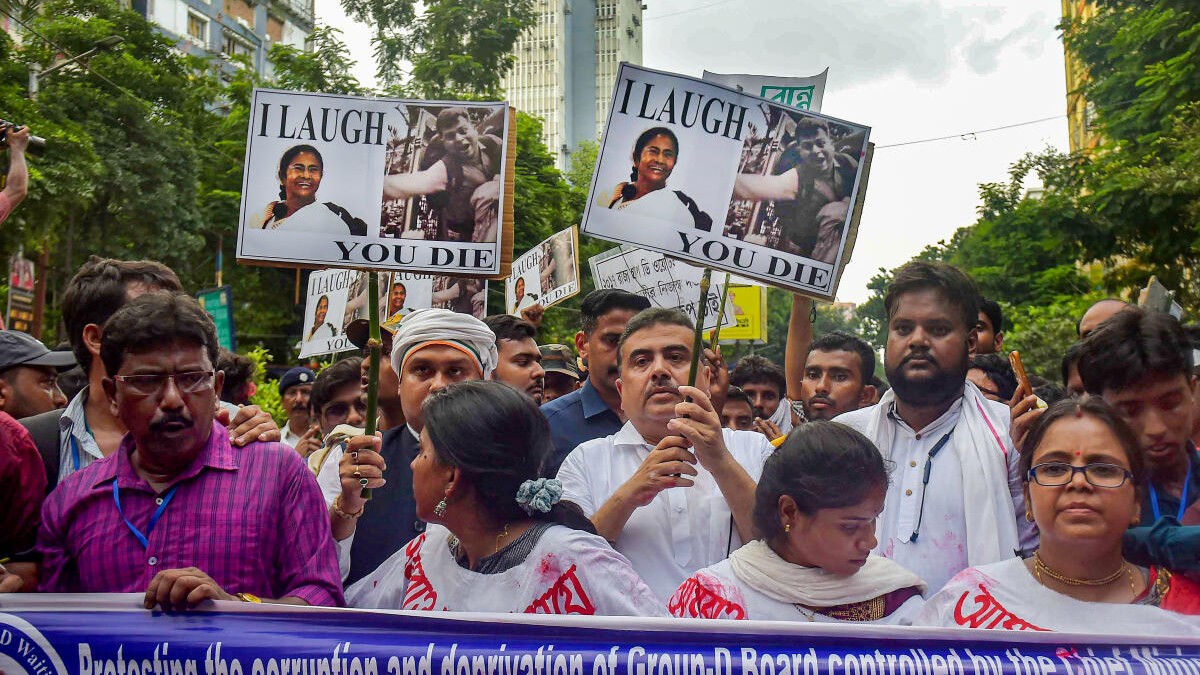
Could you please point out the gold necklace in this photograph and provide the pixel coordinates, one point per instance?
(499, 537)
(1040, 566)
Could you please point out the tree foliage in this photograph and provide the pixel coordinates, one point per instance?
(1109, 219)
(457, 48)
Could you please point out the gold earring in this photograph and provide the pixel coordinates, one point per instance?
(1029, 515)
(787, 527)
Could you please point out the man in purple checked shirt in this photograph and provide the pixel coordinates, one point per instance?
(177, 511)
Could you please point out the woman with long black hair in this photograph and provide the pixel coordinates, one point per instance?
(499, 539)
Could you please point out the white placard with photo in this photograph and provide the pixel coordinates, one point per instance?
(334, 299)
(730, 181)
(665, 282)
(409, 292)
(374, 183)
(546, 274)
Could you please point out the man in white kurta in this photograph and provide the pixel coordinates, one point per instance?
(956, 489)
(940, 549)
(667, 510)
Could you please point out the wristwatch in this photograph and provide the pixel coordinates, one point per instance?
(248, 597)
(799, 411)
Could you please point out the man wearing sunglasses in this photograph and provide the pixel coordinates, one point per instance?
(178, 511)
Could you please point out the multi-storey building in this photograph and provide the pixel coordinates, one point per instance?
(566, 67)
(1080, 112)
(231, 27)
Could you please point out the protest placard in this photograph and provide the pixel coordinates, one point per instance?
(20, 294)
(805, 93)
(335, 298)
(663, 281)
(410, 292)
(378, 183)
(546, 274)
(727, 180)
(749, 312)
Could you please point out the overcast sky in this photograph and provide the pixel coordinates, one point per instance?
(910, 69)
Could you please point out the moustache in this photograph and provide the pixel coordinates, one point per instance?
(160, 425)
(663, 387)
(919, 356)
(759, 411)
(820, 399)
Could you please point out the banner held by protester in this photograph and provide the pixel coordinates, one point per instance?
(43, 635)
(727, 180)
(546, 274)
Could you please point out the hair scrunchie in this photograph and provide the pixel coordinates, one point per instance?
(539, 495)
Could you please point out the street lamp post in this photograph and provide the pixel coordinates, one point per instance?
(43, 262)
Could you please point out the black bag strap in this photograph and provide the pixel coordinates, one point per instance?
(45, 432)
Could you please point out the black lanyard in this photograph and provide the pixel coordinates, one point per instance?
(937, 447)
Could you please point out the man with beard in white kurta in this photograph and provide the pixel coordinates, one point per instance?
(499, 539)
(672, 490)
(956, 491)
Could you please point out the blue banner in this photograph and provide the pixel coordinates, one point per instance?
(108, 635)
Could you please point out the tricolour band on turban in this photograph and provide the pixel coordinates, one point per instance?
(441, 327)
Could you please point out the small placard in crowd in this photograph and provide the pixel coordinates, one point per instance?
(665, 282)
(546, 274)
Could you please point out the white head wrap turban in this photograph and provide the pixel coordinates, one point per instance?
(429, 327)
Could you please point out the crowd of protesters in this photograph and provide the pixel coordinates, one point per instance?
(591, 478)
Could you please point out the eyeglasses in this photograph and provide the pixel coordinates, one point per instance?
(341, 410)
(149, 385)
(1057, 474)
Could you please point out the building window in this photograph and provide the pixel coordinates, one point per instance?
(232, 46)
(197, 28)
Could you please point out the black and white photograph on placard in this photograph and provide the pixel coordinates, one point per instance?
(410, 292)
(544, 275)
(442, 174)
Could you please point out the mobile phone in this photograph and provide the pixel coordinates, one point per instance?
(1014, 358)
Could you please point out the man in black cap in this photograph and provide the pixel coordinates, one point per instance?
(562, 375)
(294, 389)
(29, 375)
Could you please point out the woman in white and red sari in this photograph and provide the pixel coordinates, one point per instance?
(815, 507)
(499, 539)
(1084, 473)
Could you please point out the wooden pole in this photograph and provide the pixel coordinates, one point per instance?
(374, 347)
(701, 312)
